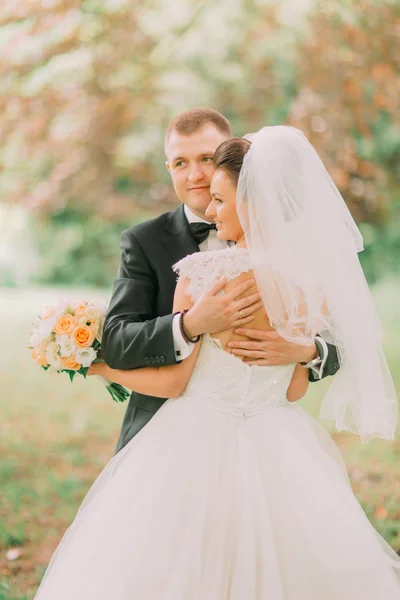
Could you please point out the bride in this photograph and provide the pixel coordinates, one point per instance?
(232, 492)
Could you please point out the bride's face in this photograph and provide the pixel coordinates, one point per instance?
(222, 208)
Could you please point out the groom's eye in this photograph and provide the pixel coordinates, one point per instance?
(208, 158)
(179, 164)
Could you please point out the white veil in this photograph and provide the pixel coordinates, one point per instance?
(303, 244)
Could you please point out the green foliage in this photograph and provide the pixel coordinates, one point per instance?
(7, 594)
(78, 248)
(381, 250)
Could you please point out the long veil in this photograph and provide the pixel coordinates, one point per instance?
(304, 245)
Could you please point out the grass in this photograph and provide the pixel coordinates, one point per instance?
(55, 437)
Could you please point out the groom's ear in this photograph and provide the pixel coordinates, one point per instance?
(168, 166)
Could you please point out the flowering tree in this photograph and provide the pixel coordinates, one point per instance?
(87, 89)
(79, 80)
(347, 103)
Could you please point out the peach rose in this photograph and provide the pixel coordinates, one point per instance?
(83, 336)
(69, 362)
(80, 310)
(64, 324)
(39, 356)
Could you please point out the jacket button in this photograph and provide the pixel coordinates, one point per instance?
(146, 360)
(162, 359)
(152, 360)
(157, 359)
(335, 365)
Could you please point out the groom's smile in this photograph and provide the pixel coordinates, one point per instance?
(199, 189)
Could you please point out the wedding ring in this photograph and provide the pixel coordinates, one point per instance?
(240, 314)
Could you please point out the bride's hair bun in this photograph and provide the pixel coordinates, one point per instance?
(229, 156)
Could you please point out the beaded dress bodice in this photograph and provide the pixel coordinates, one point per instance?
(221, 380)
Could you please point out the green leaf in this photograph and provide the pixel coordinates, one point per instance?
(83, 371)
(71, 375)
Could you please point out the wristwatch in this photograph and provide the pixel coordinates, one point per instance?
(314, 361)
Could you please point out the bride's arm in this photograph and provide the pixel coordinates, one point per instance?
(298, 384)
(162, 382)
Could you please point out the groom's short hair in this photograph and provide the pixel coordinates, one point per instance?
(192, 120)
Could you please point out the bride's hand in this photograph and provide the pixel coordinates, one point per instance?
(98, 368)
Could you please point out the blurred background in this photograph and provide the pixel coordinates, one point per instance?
(87, 88)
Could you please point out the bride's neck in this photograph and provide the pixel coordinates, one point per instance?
(241, 241)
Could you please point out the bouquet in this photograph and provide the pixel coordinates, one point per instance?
(67, 339)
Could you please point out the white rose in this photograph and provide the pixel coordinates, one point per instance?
(46, 327)
(67, 346)
(100, 331)
(93, 312)
(53, 357)
(35, 339)
(40, 338)
(85, 356)
(59, 309)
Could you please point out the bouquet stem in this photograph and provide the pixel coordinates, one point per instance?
(117, 391)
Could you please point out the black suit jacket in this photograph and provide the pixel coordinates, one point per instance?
(138, 326)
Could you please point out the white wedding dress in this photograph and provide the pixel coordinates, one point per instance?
(229, 493)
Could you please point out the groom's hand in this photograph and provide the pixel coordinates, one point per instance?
(213, 312)
(268, 348)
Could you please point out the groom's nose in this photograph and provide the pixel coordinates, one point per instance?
(196, 173)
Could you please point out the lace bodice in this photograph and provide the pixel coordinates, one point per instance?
(221, 380)
(203, 269)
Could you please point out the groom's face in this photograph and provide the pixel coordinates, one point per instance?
(190, 163)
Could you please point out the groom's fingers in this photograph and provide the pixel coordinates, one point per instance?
(261, 362)
(217, 287)
(235, 292)
(251, 353)
(247, 345)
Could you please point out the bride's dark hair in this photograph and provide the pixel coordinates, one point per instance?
(229, 156)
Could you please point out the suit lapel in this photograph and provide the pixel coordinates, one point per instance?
(178, 240)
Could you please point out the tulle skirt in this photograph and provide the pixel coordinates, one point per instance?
(203, 505)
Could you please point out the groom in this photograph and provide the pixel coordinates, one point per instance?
(140, 329)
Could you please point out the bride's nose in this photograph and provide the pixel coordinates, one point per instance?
(210, 212)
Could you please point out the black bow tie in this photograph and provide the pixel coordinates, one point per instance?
(200, 231)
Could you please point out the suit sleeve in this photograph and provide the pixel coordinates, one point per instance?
(132, 337)
(330, 360)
